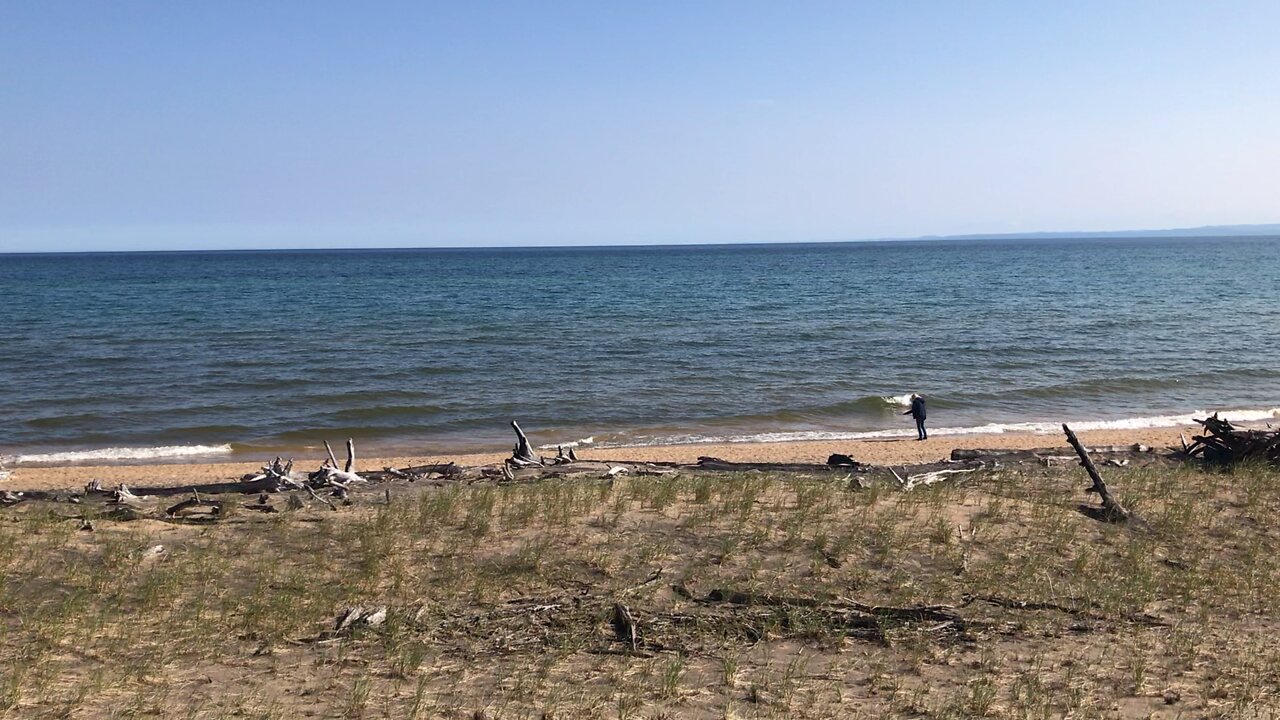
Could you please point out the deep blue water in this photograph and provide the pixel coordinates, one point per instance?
(434, 350)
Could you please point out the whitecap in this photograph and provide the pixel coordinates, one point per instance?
(123, 453)
(899, 400)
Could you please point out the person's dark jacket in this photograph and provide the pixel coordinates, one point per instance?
(917, 409)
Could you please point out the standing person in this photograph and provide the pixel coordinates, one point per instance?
(917, 412)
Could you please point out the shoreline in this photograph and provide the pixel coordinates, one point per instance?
(875, 451)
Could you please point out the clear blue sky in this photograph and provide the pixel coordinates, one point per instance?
(139, 125)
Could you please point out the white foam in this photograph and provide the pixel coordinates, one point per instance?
(1035, 428)
(124, 453)
(571, 444)
(899, 400)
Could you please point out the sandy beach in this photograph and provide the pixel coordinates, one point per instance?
(876, 452)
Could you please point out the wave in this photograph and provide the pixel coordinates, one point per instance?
(1034, 428)
(122, 453)
(571, 444)
(896, 400)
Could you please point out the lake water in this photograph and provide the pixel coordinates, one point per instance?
(147, 355)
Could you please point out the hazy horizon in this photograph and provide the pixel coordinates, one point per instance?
(156, 127)
(1254, 230)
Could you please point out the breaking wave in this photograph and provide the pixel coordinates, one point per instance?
(123, 453)
(897, 400)
(571, 444)
(1035, 428)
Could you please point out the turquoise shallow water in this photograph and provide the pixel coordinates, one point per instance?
(432, 350)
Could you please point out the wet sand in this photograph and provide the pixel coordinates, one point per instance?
(876, 452)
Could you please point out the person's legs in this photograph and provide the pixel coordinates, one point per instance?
(920, 431)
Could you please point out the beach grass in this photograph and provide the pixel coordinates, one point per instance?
(499, 601)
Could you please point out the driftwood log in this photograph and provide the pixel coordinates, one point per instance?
(712, 463)
(1040, 454)
(1112, 510)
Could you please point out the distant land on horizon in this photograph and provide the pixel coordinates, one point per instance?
(1204, 231)
(1261, 230)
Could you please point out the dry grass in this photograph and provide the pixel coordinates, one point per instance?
(499, 600)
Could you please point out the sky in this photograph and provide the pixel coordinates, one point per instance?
(209, 125)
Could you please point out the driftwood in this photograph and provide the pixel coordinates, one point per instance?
(931, 613)
(277, 473)
(195, 501)
(522, 454)
(357, 616)
(1227, 445)
(256, 484)
(1112, 510)
(330, 475)
(711, 463)
(911, 482)
(1040, 454)
(625, 626)
(563, 457)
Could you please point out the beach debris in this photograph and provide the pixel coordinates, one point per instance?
(564, 458)
(274, 475)
(124, 496)
(330, 476)
(1225, 444)
(841, 460)
(522, 454)
(195, 502)
(929, 478)
(625, 626)
(263, 505)
(902, 482)
(357, 616)
(1111, 510)
(839, 606)
(714, 463)
(1044, 456)
(151, 554)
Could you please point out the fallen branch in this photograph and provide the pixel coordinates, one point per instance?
(215, 506)
(930, 478)
(1112, 510)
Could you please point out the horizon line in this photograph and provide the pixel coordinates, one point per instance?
(1259, 230)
